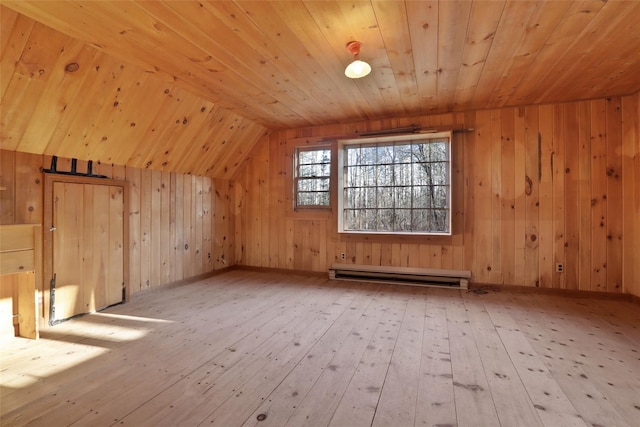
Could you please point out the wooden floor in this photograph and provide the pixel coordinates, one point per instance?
(265, 349)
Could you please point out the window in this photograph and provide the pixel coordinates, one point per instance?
(312, 177)
(396, 185)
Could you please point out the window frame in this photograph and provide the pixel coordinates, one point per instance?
(342, 168)
(297, 177)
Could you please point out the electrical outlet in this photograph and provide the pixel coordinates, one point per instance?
(559, 267)
(343, 256)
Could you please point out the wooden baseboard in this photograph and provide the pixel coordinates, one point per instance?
(554, 291)
(506, 288)
(188, 280)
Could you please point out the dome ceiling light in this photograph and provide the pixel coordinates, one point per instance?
(357, 69)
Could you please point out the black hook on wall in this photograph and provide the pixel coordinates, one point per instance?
(74, 165)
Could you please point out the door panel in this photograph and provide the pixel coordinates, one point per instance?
(88, 257)
(67, 248)
(89, 272)
(101, 273)
(116, 245)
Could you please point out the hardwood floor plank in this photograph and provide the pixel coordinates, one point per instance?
(399, 394)
(436, 399)
(474, 404)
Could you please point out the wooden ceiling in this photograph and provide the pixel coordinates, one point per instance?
(259, 65)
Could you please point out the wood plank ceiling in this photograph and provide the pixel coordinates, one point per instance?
(251, 66)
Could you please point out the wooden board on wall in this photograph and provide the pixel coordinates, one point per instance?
(598, 195)
(631, 193)
(572, 196)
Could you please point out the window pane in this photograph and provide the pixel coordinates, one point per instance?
(306, 199)
(439, 173)
(356, 198)
(403, 153)
(438, 151)
(385, 154)
(385, 197)
(368, 156)
(439, 222)
(351, 219)
(322, 199)
(385, 220)
(369, 178)
(440, 197)
(420, 152)
(313, 177)
(323, 184)
(385, 175)
(368, 219)
(306, 157)
(325, 169)
(305, 184)
(402, 174)
(311, 170)
(420, 219)
(420, 174)
(353, 155)
(353, 176)
(422, 197)
(403, 197)
(313, 184)
(402, 220)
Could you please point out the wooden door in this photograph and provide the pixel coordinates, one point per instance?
(88, 247)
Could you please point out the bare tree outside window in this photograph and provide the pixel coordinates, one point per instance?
(397, 187)
(312, 177)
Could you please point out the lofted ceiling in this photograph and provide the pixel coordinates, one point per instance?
(241, 68)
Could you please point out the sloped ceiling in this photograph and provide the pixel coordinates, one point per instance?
(258, 65)
(63, 97)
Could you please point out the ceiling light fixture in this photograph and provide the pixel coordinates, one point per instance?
(357, 68)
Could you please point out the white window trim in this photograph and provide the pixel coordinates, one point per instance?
(394, 138)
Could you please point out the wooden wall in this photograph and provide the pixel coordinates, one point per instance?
(179, 225)
(533, 186)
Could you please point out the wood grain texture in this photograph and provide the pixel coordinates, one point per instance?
(275, 349)
(109, 110)
(534, 190)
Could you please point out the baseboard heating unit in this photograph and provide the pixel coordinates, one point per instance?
(402, 275)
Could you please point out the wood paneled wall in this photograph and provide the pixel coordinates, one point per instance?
(532, 186)
(179, 225)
